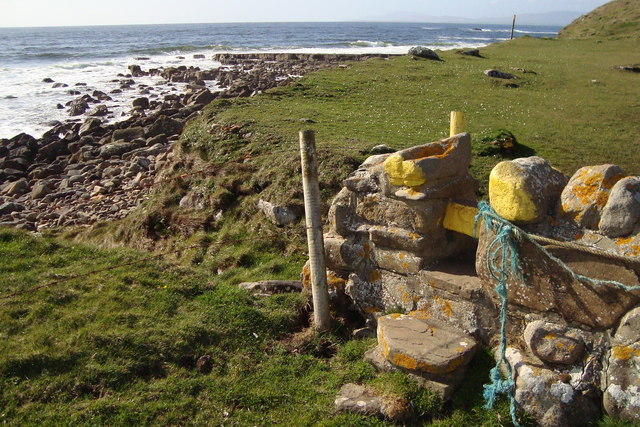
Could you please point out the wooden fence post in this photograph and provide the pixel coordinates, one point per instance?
(315, 241)
(513, 26)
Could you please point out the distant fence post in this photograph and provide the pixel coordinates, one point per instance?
(457, 123)
(513, 26)
(315, 241)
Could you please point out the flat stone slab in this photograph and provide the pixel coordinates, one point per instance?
(424, 346)
(271, 287)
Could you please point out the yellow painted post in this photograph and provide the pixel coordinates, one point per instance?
(457, 123)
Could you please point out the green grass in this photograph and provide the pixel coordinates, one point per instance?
(616, 19)
(123, 348)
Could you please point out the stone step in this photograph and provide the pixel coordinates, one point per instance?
(428, 349)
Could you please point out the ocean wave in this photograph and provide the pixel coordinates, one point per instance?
(179, 49)
(367, 43)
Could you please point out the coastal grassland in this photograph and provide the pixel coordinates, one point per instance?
(160, 344)
(570, 107)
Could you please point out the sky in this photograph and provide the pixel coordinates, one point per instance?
(35, 13)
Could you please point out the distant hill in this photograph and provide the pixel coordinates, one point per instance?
(619, 18)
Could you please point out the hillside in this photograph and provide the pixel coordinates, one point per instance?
(619, 18)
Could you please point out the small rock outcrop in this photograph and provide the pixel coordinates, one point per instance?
(424, 52)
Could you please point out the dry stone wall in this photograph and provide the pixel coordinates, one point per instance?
(574, 344)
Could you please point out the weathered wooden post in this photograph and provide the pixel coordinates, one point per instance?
(314, 230)
(513, 26)
(457, 123)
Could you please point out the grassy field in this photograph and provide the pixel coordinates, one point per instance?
(156, 343)
(620, 18)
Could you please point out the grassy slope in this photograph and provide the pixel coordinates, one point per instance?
(619, 18)
(121, 348)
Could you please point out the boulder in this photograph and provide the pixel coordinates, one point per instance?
(554, 343)
(548, 287)
(525, 190)
(116, 149)
(498, 74)
(424, 52)
(165, 125)
(587, 193)
(272, 287)
(41, 189)
(89, 126)
(17, 188)
(358, 399)
(278, 215)
(78, 107)
(9, 207)
(622, 212)
(549, 397)
(621, 398)
(142, 102)
(127, 134)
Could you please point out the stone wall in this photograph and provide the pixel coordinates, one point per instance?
(574, 344)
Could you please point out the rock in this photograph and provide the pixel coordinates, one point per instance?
(278, 215)
(127, 134)
(622, 212)
(554, 343)
(9, 207)
(165, 125)
(621, 397)
(141, 102)
(99, 111)
(471, 52)
(629, 329)
(47, 80)
(587, 193)
(424, 347)
(41, 189)
(89, 126)
(78, 107)
(203, 97)
(524, 190)
(57, 85)
(550, 398)
(424, 52)
(272, 287)
(498, 74)
(549, 288)
(426, 167)
(17, 188)
(135, 71)
(358, 399)
(381, 149)
(116, 149)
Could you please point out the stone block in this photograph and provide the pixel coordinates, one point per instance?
(424, 347)
(523, 190)
(587, 193)
(554, 343)
(621, 214)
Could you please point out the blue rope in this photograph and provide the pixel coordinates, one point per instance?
(504, 247)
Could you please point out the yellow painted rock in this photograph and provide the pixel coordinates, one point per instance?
(420, 165)
(523, 190)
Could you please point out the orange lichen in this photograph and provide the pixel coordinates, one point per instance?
(624, 240)
(594, 188)
(420, 314)
(372, 310)
(367, 251)
(550, 336)
(624, 352)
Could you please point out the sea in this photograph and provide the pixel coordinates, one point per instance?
(90, 58)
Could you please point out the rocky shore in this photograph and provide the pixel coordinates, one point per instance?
(80, 172)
